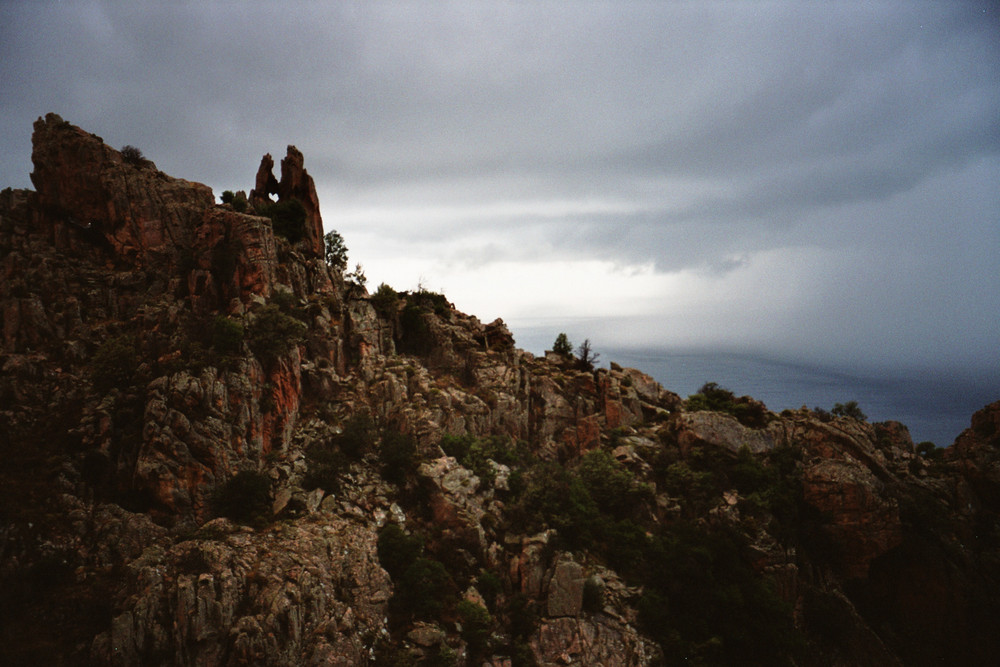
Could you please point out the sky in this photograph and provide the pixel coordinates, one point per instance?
(808, 181)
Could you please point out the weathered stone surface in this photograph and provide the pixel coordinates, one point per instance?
(298, 184)
(199, 430)
(566, 589)
(596, 640)
(455, 504)
(265, 184)
(426, 635)
(863, 520)
(142, 214)
(529, 566)
(720, 430)
(109, 475)
(295, 183)
(275, 596)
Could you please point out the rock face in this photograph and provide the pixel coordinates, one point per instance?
(863, 516)
(295, 183)
(162, 355)
(566, 589)
(140, 213)
(234, 596)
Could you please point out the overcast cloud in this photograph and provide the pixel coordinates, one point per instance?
(814, 180)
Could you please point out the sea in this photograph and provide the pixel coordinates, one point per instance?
(936, 406)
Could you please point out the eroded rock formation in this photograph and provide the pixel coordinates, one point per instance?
(157, 346)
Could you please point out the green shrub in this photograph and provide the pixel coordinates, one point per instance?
(849, 409)
(703, 601)
(227, 336)
(827, 617)
(521, 616)
(357, 436)
(624, 545)
(489, 586)
(476, 623)
(245, 497)
(288, 218)
(287, 302)
(457, 446)
(929, 451)
(611, 486)
(654, 616)
(335, 251)
(711, 397)
(396, 549)
(593, 595)
(396, 455)
(475, 454)
(555, 498)
(115, 362)
(132, 155)
(385, 301)
(237, 200)
(434, 302)
(750, 413)
(562, 345)
(415, 332)
(424, 588)
(326, 463)
(273, 333)
(682, 481)
(748, 473)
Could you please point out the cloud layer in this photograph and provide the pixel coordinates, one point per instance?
(817, 180)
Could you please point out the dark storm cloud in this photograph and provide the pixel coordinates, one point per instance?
(701, 139)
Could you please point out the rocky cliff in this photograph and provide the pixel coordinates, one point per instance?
(219, 450)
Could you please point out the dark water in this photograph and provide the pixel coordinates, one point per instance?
(935, 406)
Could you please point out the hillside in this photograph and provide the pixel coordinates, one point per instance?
(218, 448)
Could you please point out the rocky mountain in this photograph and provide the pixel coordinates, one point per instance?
(218, 448)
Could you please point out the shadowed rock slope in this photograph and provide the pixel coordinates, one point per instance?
(217, 449)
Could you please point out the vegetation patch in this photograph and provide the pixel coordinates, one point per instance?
(288, 218)
(133, 155)
(562, 345)
(703, 600)
(711, 397)
(397, 455)
(335, 251)
(476, 623)
(705, 604)
(476, 453)
(115, 362)
(274, 334)
(422, 584)
(849, 409)
(227, 339)
(244, 498)
(385, 301)
(331, 457)
(237, 200)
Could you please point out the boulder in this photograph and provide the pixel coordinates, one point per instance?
(566, 589)
(716, 429)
